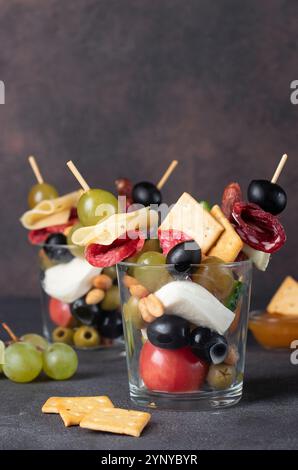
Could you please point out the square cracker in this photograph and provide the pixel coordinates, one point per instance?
(189, 216)
(285, 299)
(116, 420)
(73, 409)
(229, 244)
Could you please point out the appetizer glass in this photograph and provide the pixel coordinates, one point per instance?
(75, 309)
(173, 369)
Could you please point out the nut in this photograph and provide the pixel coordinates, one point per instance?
(232, 356)
(102, 281)
(150, 308)
(138, 291)
(66, 231)
(129, 281)
(154, 306)
(147, 317)
(94, 296)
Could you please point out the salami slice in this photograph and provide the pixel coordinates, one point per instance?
(170, 238)
(257, 228)
(103, 256)
(231, 195)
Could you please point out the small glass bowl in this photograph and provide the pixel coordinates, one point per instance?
(273, 331)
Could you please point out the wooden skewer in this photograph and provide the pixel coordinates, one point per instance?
(35, 169)
(167, 174)
(279, 168)
(10, 332)
(78, 175)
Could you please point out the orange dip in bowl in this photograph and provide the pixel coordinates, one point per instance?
(272, 330)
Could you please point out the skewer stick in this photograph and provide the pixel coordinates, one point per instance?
(78, 175)
(35, 169)
(10, 332)
(167, 174)
(279, 168)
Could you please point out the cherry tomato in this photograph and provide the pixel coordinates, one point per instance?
(166, 370)
(60, 313)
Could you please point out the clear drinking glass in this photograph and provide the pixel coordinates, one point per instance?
(173, 368)
(68, 314)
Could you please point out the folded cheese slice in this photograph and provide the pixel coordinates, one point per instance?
(115, 226)
(188, 216)
(50, 211)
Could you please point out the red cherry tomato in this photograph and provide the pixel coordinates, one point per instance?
(171, 370)
(60, 313)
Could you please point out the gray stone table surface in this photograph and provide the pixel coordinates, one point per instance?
(266, 418)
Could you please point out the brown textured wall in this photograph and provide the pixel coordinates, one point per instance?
(124, 86)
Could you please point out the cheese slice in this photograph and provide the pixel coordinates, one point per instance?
(38, 217)
(229, 244)
(285, 299)
(115, 226)
(188, 216)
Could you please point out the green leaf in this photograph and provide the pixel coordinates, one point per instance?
(233, 299)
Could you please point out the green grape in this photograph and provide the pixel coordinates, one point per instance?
(132, 314)
(1, 368)
(215, 277)
(206, 205)
(39, 192)
(36, 340)
(77, 251)
(2, 353)
(111, 300)
(111, 272)
(23, 363)
(149, 275)
(60, 361)
(96, 205)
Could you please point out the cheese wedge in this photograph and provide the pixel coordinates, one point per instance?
(115, 226)
(285, 299)
(69, 281)
(50, 211)
(188, 216)
(259, 258)
(229, 244)
(195, 304)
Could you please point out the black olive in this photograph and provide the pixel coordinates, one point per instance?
(209, 345)
(169, 332)
(55, 248)
(269, 196)
(110, 324)
(88, 315)
(183, 255)
(146, 193)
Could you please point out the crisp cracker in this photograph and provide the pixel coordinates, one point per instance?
(116, 420)
(189, 216)
(229, 244)
(285, 299)
(74, 405)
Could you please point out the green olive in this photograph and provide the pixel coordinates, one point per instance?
(39, 192)
(62, 335)
(111, 272)
(96, 205)
(132, 314)
(77, 251)
(213, 275)
(111, 300)
(152, 275)
(86, 337)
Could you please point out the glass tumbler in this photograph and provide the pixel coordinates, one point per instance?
(80, 303)
(185, 333)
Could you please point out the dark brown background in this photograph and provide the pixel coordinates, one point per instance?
(122, 87)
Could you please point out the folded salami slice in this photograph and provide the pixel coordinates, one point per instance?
(257, 228)
(170, 238)
(108, 255)
(231, 195)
